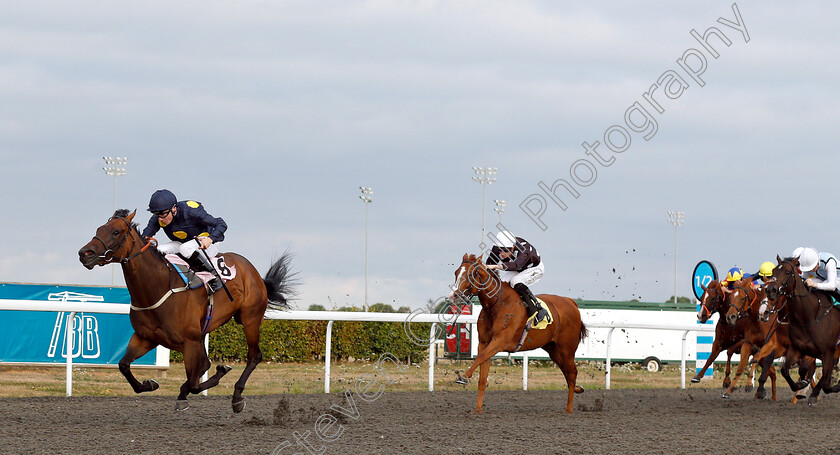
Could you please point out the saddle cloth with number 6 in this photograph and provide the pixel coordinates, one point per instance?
(198, 279)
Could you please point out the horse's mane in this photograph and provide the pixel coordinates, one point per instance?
(123, 213)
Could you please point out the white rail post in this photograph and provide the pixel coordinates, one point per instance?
(609, 355)
(682, 359)
(524, 371)
(329, 356)
(432, 355)
(68, 338)
(204, 377)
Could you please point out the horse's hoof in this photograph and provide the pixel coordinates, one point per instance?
(238, 406)
(223, 369)
(695, 380)
(760, 394)
(182, 405)
(748, 388)
(800, 397)
(725, 395)
(150, 385)
(726, 384)
(476, 411)
(461, 380)
(579, 389)
(812, 401)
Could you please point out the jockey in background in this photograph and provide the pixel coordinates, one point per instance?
(732, 276)
(190, 228)
(764, 272)
(520, 265)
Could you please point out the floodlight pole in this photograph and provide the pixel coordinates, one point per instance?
(676, 218)
(114, 166)
(484, 178)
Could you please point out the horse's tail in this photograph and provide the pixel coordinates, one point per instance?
(280, 283)
(584, 332)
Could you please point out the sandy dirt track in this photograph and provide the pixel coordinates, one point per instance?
(514, 422)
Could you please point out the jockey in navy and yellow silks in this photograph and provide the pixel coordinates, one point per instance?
(189, 227)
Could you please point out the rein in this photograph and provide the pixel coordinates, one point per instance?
(743, 313)
(493, 277)
(108, 254)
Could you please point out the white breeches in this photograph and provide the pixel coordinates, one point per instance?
(186, 249)
(527, 277)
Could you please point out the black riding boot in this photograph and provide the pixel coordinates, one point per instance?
(216, 283)
(530, 302)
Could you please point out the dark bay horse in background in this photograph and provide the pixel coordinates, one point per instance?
(502, 323)
(814, 326)
(715, 300)
(176, 322)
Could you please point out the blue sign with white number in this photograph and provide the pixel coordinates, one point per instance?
(703, 274)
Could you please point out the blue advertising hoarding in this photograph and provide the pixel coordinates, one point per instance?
(40, 336)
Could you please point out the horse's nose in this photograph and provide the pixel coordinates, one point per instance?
(731, 319)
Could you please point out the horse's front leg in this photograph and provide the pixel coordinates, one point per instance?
(137, 347)
(195, 364)
(716, 348)
(727, 382)
(494, 347)
(746, 348)
(825, 380)
(483, 372)
(791, 357)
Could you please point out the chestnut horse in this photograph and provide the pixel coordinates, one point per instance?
(502, 323)
(715, 300)
(744, 302)
(176, 322)
(814, 326)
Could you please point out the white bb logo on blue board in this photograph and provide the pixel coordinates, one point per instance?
(84, 329)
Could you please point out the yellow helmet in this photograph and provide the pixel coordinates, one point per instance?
(734, 274)
(766, 268)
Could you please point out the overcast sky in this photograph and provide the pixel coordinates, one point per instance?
(273, 114)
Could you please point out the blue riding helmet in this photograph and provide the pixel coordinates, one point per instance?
(162, 200)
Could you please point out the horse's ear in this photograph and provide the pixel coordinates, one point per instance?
(703, 287)
(778, 259)
(466, 256)
(131, 216)
(726, 290)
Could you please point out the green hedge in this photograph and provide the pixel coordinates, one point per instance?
(302, 341)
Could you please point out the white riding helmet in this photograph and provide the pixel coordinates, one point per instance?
(809, 259)
(505, 239)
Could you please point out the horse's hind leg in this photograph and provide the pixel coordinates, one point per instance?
(195, 364)
(252, 337)
(567, 365)
(137, 347)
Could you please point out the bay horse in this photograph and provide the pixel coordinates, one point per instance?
(715, 300)
(176, 322)
(814, 327)
(502, 320)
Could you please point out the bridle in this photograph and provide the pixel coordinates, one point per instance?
(784, 291)
(110, 251)
(747, 302)
(720, 295)
(469, 270)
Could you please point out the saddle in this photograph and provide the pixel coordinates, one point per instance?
(529, 324)
(196, 279)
